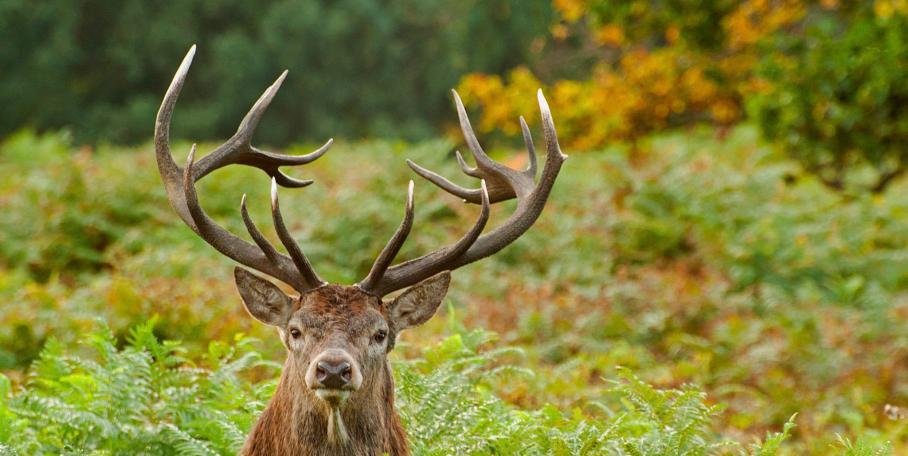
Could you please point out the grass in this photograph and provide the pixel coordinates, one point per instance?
(695, 261)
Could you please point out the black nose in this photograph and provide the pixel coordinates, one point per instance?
(333, 374)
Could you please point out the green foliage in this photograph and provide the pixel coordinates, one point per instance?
(703, 262)
(824, 80)
(147, 398)
(660, 422)
(750, 216)
(357, 67)
(68, 196)
(694, 20)
(774, 441)
(835, 96)
(863, 447)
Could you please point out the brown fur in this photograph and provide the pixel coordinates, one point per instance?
(295, 421)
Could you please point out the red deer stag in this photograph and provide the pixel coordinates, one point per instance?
(336, 391)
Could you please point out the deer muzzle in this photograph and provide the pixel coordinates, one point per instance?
(333, 375)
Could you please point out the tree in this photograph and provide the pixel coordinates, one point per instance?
(835, 94)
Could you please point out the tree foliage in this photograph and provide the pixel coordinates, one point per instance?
(824, 80)
(357, 67)
(646, 66)
(834, 94)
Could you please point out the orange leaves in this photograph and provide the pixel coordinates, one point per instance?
(572, 10)
(661, 66)
(755, 19)
(884, 9)
(502, 102)
(610, 35)
(645, 91)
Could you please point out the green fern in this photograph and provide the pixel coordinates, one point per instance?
(146, 398)
(143, 399)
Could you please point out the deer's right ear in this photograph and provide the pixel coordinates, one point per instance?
(263, 299)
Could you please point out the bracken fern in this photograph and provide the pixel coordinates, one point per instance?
(146, 398)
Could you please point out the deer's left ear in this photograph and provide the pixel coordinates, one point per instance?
(263, 300)
(417, 305)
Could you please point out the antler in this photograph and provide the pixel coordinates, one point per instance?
(180, 185)
(498, 183)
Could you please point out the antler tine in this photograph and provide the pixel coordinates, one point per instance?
(554, 156)
(238, 149)
(482, 160)
(270, 252)
(503, 183)
(247, 126)
(467, 169)
(171, 174)
(531, 149)
(180, 183)
(445, 255)
(296, 254)
(392, 247)
(231, 246)
(468, 194)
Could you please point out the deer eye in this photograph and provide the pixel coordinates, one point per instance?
(295, 333)
(380, 336)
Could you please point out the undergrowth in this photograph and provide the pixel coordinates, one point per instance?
(690, 260)
(147, 398)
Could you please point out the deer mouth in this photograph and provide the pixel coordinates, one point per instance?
(334, 397)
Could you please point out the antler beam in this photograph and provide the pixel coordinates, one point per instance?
(498, 183)
(180, 186)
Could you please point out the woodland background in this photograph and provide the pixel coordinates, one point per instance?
(721, 269)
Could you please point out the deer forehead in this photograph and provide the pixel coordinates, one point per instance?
(340, 307)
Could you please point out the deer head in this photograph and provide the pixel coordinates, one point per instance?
(336, 391)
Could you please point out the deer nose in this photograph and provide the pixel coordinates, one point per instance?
(333, 374)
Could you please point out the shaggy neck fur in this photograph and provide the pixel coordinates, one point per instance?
(297, 422)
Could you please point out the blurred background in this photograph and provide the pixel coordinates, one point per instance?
(732, 216)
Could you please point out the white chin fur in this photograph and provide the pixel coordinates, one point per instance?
(337, 432)
(332, 397)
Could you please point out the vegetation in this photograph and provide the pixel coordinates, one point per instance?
(824, 80)
(357, 67)
(696, 298)
(642, 67)
(147, 398)
(834, 96)
(721, 268)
